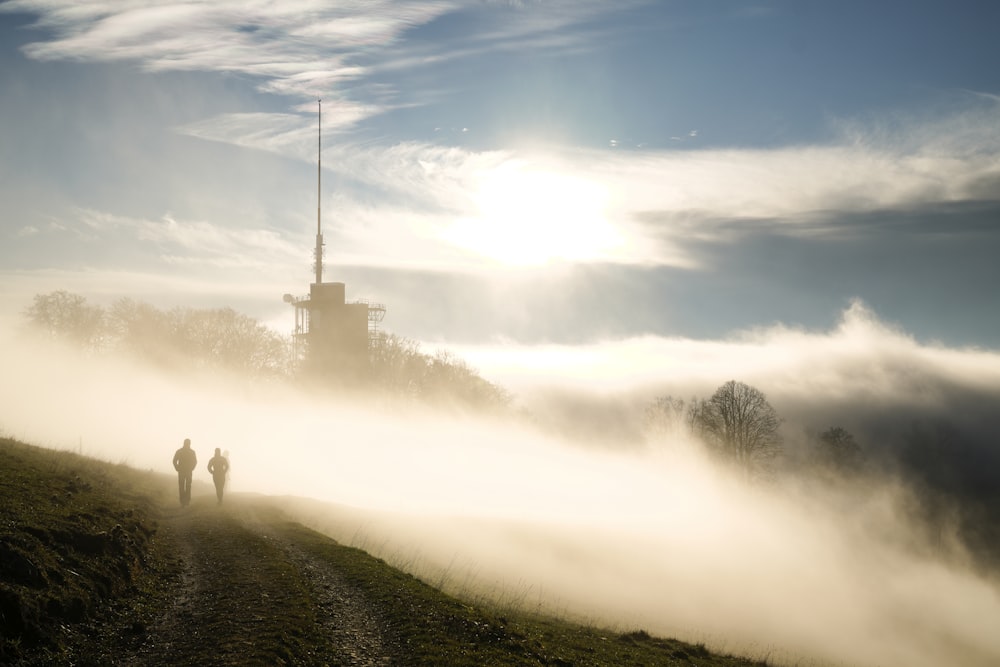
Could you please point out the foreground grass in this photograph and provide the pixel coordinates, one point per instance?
(437, 629)
(90, 559)
(77, 555)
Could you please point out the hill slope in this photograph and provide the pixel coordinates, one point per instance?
(99, 566)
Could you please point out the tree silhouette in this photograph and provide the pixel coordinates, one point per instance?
(67, 316)
(217, 338)
(740, 424)
(223, 339)
(836, 448)
(667, 417)
(398, 366)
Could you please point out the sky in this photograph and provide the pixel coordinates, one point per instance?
(523, 172)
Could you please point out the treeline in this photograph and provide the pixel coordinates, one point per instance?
(399, 368)
(184, 338)
(742, 429)
(951, 468)
(221, 339)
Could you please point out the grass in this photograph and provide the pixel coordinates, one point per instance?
(90, 559)
(438, 629)
(76, 539)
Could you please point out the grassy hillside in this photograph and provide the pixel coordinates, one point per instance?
(98, 566)
(79, 561)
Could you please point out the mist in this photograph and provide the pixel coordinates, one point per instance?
(567, 507)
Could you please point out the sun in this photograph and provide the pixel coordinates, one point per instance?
(529, 216)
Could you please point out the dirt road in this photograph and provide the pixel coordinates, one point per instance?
(245, 593)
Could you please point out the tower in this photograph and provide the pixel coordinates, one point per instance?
(332, 337)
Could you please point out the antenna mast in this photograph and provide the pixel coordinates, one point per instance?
(319, 169)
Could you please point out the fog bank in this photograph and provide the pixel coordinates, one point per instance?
(613, 530)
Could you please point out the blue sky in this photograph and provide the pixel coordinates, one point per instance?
(527, 172)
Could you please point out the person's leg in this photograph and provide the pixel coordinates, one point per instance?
(180, 486)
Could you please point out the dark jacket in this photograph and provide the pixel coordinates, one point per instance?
(218, 466)
(185, 460)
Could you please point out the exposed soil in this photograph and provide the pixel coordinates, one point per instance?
(241, 578)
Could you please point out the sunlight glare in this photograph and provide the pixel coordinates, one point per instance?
(531, 217)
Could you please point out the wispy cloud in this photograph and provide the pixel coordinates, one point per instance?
(193, 243)
(262, 38)
(558, 27)
(862, 356)
(304, 49)
(658, 201)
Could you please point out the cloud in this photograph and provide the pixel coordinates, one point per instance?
(560, 26)
(276, 132)
(705, 226)
(168, 261)
(880, 357)
(258, 38)
(661, 201)
(488, 30)
(193, 242)
(304, 49)
(695, 227)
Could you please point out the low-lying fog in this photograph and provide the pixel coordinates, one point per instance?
(570, 510)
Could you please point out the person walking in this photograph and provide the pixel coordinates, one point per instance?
(218, 465)
(185, 461)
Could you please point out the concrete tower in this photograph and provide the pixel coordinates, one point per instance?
(332, 336)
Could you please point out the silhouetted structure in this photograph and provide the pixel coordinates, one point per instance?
(332, 337)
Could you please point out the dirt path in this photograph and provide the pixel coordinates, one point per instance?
(245, 594)
(343, 614)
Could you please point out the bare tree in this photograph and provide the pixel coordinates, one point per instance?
(61, 314)
(396, 364)
(219, 338)
(666, 417)
(448, 378)
(400, 367)
(836, 448)
(225, 339)
(740, 424)
(139, 329)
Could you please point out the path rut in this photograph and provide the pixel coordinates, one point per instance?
(246, 594)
